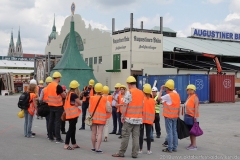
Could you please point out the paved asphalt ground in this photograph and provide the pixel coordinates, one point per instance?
(220, 123)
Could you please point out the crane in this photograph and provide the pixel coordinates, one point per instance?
(214, 57)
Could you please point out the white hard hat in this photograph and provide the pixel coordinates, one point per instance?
(154, 89)
(33, 81)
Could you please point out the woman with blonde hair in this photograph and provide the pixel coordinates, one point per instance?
(98, 109)
(29, 113)
(72, 113)
(191, 113)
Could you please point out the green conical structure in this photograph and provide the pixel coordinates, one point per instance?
(72, 65)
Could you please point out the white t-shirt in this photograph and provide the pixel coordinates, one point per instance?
(166, 98)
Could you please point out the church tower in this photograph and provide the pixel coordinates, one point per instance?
(53, 35)
(19, 50)
(11, 48)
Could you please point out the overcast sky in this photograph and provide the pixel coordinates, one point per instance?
(35, 17)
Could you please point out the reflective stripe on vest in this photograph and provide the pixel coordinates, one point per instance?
(157, 106)
(190, 106)
(54, 99)
(148, 110)
(172, 111)
(135, 108)
(71, 111)
(100, 116)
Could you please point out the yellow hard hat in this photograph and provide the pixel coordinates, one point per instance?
(57, 75)
(105, 90)
(123, 86)
(98, 87)
(146, 84)
(91, 82)
(48, 79)
(117, 85)
(169, 84)
(41, 82)
(131, 79)
(147, 89)
(74, 84)
(191, 86)
(21, 114)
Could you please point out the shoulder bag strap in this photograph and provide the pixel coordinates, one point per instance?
(96, 106)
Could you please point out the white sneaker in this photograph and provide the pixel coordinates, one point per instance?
(149, 152)
(139, 152)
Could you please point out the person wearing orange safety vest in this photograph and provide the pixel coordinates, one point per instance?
(101, 106)
(29, 113)
(192, 112)
(72, 113)
(148, 118)
(119, 106)
(43, 98)
(87, 92)
(132, 117)
(109, 99)
(54, 99)
(171, 106)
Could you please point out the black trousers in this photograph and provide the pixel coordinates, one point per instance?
(63, 126)
(71, 131)
(119, 114)
(55, 117)
(114, 117)
(84, 111)
(157, 124)
(148, 131)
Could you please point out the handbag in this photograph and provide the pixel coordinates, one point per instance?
(196, 130)
(88, 120)
(189, 120)
(182, 129)
(43, 109)
(63, 117)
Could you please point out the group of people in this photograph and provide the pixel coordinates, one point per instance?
(131, 110)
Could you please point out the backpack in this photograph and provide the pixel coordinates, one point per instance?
(23, 102)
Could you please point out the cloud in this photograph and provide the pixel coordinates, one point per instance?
(216, 1)
(95, 24)
(165, 2)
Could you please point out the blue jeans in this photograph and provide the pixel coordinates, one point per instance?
(27, 124)
(172, 137)
(114, 117)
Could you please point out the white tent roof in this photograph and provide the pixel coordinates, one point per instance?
(16, 71)
(6, 63)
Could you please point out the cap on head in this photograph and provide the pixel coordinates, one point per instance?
(105, 90)
(33, 81)
(48, 80)
(147, 89)
(131, 79)
(169, 84)
(98, 87)
(91, 82)
(41, 82)
(191, 86)
(74, 84)
(154, 89)
(57, 75)
(117, 85)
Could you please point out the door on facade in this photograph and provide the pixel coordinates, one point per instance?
(116, 61)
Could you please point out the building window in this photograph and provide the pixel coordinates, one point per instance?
(124, 64)
(86, 61)
(100, 60)
(95, 60)
(91, 62)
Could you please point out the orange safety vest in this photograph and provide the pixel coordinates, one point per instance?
(148, 110)
(109, 99)
(71, 111)
(90, 94)
(100, 116)
(135, 108)
(45, 95)
(172, 111)
(31, 108)
(120, 101)
(54, 100)
(190, 106)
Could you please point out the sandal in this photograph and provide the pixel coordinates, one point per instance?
(117, 155)
(69, 148)
(77, 146)
(166, 150)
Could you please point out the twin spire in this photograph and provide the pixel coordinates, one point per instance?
(53, 34)
(12, 51)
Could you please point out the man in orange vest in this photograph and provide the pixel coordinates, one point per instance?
(55, 94)
(171, 106)
(132, 114)
(88, 91)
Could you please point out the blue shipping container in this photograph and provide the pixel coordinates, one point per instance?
(201, 81)
(141, 80)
